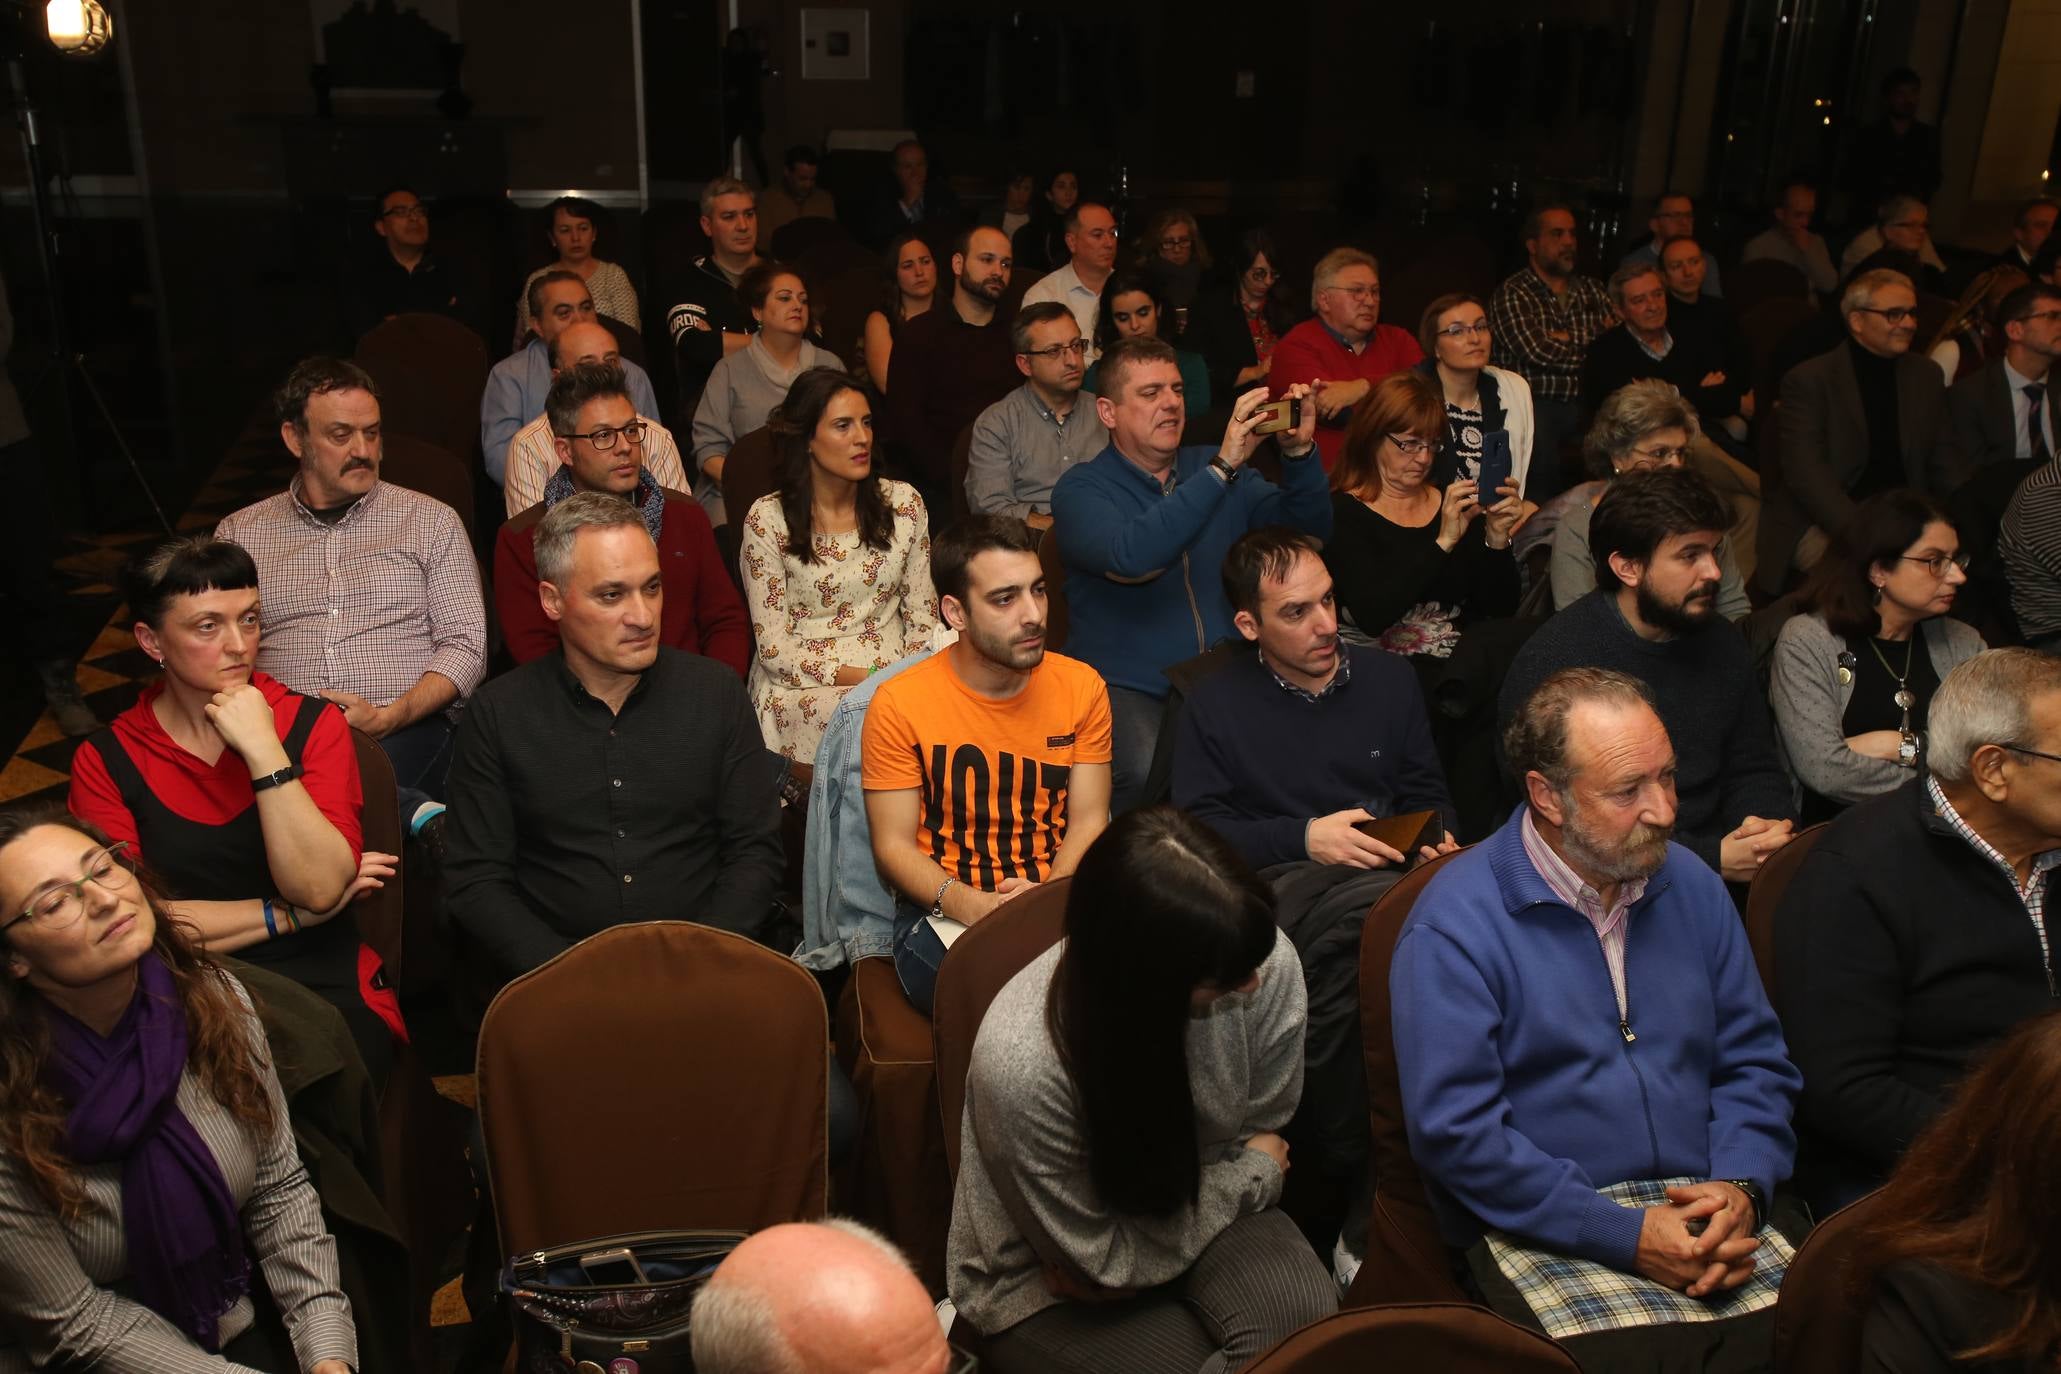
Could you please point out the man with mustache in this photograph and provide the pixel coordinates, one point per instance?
(986, 765)
(1654, 616)
(1594, 1083)
(1025, 442)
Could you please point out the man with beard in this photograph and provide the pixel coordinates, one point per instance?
(986, 766)
(1545, 317)
(1654, 616)
(1581, 1119)
(1025, 442)
(949, 364)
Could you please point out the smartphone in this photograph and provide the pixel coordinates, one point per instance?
(613, 1268)
(1278, 417)
(1496, 464)
(1405, 834)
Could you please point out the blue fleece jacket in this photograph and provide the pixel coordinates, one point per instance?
(1523, 1095)
(1144, 568)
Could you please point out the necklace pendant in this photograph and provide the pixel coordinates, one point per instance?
(1904, 698)
(1845, 676)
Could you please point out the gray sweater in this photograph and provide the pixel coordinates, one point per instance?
(1810, 704)
(1025, 1193)
(740, 393)
(1573, 567)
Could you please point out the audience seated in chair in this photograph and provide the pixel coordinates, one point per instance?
(1091, 233)
(1134, 307)
(613, 780)
(572, 221)
(533, 458)
(1024, 443)
(1643, 346)
(1545, 318)
(709, 321)
(1790, 239)
(910, 289)
(401, 276)
(1900, 239)
(913, 197)
(1909, 940)
(1480, 400)
(1040, 244)
(372, 591)
(1584, 1119)
(1235, 325)
(517, 386)
(1345, 350)
(1121, 1162)
(2005, 411)
(2029, 541)
(1674, 217)
(157, 1215)
(599, 449)
(241, 796)
(798, 196)
(986, 765)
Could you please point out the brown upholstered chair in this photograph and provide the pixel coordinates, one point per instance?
(977, 967)
(896, 1178)
(422, 466)
(751, 471)
(1406, 1259)
(629, 341)
(1451, 1337)
(1818, 1320)
(379, 915)
(1055, 588)
(1764, 279)
(1764, 897)
(656, 1075)
(431, 373)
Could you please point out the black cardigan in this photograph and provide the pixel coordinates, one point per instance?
(1381, 569)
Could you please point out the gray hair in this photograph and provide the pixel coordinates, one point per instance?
(1535, 740)
(1860, 292)
(735, 1330)
(723, 186)
(1986, 700)
(1629, 272)
(1628, 415)
(1895, 208)
(1336, 261)
(535, 296)
(561, 525)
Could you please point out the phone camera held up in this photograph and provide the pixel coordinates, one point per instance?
(1278, 417)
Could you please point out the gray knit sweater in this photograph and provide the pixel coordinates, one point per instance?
(1025, 1193)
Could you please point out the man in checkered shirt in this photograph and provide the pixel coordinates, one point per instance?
(1545, 317)
(369, 592)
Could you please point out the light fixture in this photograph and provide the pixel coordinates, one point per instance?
(79, 28)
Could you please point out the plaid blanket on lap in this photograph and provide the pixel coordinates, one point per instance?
(1571, 1297)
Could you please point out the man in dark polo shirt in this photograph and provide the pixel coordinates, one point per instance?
(613, 779)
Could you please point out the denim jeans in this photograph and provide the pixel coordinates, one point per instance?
(918, 952)
(421, 756)
(1134, 739)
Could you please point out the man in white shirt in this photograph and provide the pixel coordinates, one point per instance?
(533, 457)
(1091, 238)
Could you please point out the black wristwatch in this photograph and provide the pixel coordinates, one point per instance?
(269, 780)
(1753, 1195)
(1224, 469)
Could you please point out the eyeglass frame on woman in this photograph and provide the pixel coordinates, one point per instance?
(1937, 564)
(1661, 455)
(1409, 445)
(1456, 330)
(116, 852)
(633, 431)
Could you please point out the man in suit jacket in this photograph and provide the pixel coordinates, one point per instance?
(1860, 419)
(1989, 412)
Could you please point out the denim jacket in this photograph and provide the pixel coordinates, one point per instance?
(848, 912)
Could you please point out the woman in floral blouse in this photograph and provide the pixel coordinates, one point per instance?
(836, 564)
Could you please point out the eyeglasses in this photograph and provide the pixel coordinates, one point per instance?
(60, 907)
(2041, 315)
(1261, 274)
(1408, 446)
(1180, 241)
(1078, 348)
(2034, 753)
(603, 439)
(1359, 293)
(1665, 453)
(1895, 315)
(406, 212)
(1937, 563)
(1457, 331)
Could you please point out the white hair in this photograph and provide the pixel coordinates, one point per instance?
(1986, 700)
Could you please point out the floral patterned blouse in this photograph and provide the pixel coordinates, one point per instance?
(854, 606)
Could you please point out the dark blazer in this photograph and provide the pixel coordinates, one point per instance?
(1980, 423)
(1822, 445)
(1921, 1316)
(1217, 330)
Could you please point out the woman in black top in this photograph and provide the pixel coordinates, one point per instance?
(1234, 325)
(1040, 246)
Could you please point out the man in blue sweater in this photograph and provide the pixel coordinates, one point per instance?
(1576, 1009)
(1143, 528)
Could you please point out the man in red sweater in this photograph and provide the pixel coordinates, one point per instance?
(600, 445)
(1343, 351)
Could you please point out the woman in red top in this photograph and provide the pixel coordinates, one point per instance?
(241, 796)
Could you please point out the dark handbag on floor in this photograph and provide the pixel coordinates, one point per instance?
(625, 1311)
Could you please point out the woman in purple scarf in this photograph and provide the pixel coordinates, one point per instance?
(154, 1214)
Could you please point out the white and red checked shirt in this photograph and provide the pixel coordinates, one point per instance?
(367, 604)
(1568, 886)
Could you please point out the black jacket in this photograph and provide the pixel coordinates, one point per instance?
(1900, 954)
(705, 308)
(1921, 1316)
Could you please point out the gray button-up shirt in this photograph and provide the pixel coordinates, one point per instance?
(1020, 448)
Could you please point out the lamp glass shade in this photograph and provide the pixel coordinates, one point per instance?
(78, 27)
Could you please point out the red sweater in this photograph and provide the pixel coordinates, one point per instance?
(1310, 352)
(702, 612)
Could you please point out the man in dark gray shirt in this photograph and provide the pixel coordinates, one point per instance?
(1026, 441)
(611, 780)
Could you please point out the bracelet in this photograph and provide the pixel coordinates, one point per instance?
(937, 903)
(271, 927)
(293, 918)
(1224, 469)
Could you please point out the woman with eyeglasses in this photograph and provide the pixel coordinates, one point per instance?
(1854, 671)
(243, 797)
(1173, 254)
(155, 1217)
(1479, 399)
(1133, 308)
(1118, 1201)
(1639, 427)
(572, 238)
(910, 287)
(1234, 325)
(747, 384)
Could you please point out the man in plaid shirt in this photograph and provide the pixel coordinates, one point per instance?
(1544, 319)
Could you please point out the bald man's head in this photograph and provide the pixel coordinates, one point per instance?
(816, 1298)
(583, 343)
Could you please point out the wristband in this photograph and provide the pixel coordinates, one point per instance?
(1223, 469)
(293, 917)
(271, 927)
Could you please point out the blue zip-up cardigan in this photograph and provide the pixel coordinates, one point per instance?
(1144, 570)
(1522, 1092)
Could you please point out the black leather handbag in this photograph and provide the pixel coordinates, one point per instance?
(615, 1305)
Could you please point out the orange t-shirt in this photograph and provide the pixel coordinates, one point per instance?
(993, 774)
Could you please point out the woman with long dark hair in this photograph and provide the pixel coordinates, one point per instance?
(836, 563)
(1133, 307)
(910, 288)
(1122, 1163)
(1039, 246)
(1854, 672)
(1966, 1273)
(152, 1202)
(1234, 325)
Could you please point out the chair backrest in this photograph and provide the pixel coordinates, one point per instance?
(793, 240)
(1406, 1260)
(1764, 327)
(1764, 279)
(431, 373)
(656, 1075)
(751, 471)
(1764, 899)
(977, 967)
(1818, 1320)
(629, 341)
(422, 466)
(378, 916)
(1055, 588)
(962, 454)
(1451, 1337)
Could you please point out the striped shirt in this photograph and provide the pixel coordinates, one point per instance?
(1568, 886)
(370, 603)
(532, 458)
(2030, 541)
(62, 1302)
(2032, 892)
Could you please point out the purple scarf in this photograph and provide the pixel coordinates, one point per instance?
(184, 1237)
(649, 498)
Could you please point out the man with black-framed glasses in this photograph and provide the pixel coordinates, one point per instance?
(1026, 441)
(402, 277)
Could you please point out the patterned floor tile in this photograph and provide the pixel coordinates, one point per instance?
(21, 779)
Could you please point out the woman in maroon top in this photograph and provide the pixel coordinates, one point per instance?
(241, 796)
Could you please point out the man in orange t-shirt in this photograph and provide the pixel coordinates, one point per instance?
(986, 766)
